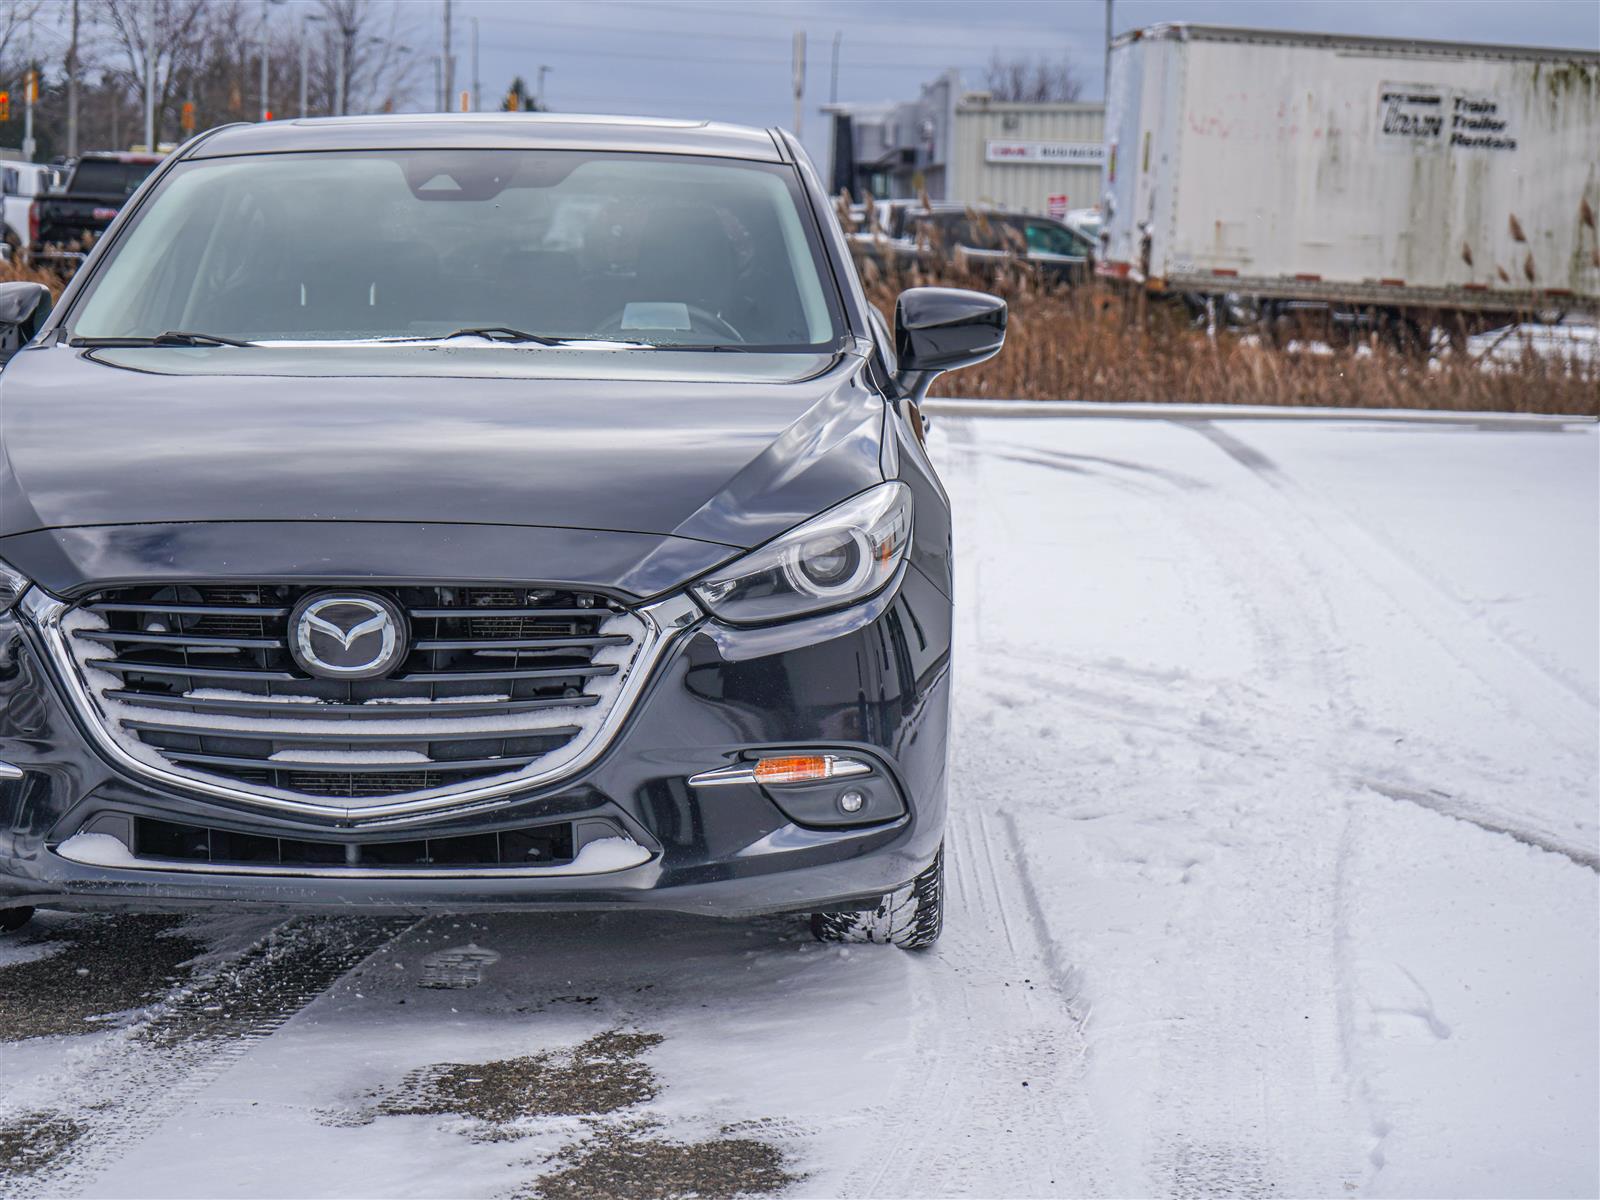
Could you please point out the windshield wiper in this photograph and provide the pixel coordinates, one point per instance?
(172, 337)
(500, 333)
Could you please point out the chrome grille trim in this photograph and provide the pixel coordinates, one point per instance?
(658, 625)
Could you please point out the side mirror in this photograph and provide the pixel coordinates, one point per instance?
(944, 329)
(23, 309)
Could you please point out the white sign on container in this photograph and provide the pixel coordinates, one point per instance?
(1044, 152)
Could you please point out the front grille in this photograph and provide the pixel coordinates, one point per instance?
(498, 680)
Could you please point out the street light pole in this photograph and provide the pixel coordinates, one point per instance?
(305, 66)
(477, 83)
(538, 97)
(30, 85)
(799, 79)
(449, 68)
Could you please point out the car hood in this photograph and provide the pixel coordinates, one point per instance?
(716, 448)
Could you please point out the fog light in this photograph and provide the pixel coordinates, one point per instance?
(851, 801)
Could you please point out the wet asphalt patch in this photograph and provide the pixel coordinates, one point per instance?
(602, 1075)
(104, 966)
(32, 1141)
(602, 1082)
(626, 1163)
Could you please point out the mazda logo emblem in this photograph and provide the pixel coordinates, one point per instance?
(348, 635)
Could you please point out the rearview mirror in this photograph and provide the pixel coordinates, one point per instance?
(944, 329)
(23, 309)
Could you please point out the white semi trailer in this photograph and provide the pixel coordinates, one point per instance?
(1443, 185)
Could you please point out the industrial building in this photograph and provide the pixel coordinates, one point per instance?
(967, 148)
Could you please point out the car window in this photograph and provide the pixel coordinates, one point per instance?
(949, 230)
(107, 178)
(648, 249)
(1044, 238)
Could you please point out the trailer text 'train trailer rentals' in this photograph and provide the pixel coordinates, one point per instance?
(1367, 172)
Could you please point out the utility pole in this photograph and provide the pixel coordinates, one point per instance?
(538, 95)
(266, 104)
(799, 79)
(1107, 88)
(833, 82)
(438, 86)
(477, 83)
(305, 65)
(150, 78)
(449, 65)
(72, 86)
(339, 71)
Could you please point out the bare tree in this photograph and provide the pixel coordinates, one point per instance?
(168, 35)
(366, 49)
(14, 17)
(1032, 81)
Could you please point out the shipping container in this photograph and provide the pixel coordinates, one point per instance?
(1375, 173)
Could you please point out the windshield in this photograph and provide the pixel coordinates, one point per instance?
(101, 177)
(660, 250)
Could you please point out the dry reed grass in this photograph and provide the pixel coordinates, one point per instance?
(20, 271)
(1091, 343)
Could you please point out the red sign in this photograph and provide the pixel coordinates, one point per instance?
(1057, 206)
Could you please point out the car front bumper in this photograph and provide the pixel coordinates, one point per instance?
(870, 683)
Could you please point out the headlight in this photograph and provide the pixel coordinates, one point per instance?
(840, 558)
(12, 584)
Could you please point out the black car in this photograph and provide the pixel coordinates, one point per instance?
(477, 513)
(982, 238)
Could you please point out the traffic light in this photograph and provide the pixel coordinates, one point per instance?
(5, 106)
(186, 116)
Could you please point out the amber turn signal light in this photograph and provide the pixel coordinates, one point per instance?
(795, 768)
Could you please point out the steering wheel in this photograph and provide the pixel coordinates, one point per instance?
(699, 318)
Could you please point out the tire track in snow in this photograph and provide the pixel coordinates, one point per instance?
(1528, 694)
(120, 1090)
(1232, 1086)
(999, 1106)
(1464, 810)
(1438, 614)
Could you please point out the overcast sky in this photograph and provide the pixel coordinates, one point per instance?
(730, 61)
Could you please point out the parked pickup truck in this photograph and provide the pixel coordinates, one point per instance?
(66, 223)
(21, 183)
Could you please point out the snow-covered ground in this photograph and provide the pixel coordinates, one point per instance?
(1273, 866)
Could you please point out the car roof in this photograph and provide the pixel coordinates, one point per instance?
(492, 131)
(121, 156)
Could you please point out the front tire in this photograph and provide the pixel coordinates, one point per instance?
(13, 919)
(910, 917)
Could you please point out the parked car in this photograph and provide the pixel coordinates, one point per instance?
(980, 237)
(65, 224)
(20, 184)
(545, 525)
